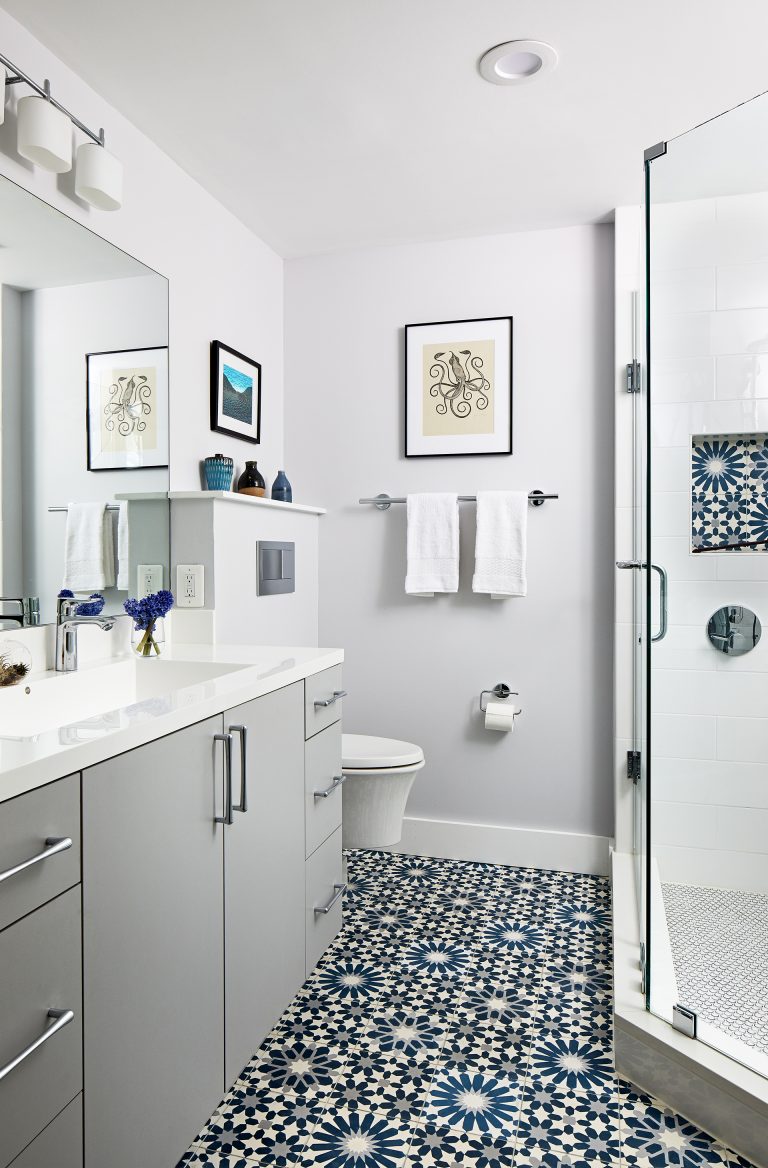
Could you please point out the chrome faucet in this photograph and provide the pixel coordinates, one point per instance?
(66, 632)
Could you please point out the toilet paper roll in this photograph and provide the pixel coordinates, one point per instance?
(500, 716)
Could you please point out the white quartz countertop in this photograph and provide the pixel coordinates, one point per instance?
(52, 725)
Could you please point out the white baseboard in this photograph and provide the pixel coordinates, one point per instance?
(524, 847)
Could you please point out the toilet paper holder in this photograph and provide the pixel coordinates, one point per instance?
(502, 691)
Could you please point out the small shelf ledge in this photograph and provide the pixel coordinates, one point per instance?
(248, 500)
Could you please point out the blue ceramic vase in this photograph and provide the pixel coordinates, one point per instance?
(281, 489)
(218, 472)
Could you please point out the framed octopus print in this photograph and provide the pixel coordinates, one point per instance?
(127, 409)
(458, 387)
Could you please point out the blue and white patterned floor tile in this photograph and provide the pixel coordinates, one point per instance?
(463, 1016)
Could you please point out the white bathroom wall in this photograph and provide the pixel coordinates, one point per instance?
(415, 668)
(709, 371)
(11, 562)
(225, 283)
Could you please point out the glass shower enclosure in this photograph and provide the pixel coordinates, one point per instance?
(701, 570)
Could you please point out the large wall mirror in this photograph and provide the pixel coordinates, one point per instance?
(84, 414)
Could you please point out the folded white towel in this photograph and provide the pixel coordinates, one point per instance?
(89, 548)
(123, 550)
(433, 544)
(500, 546)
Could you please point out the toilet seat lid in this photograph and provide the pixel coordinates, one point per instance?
(367, 753)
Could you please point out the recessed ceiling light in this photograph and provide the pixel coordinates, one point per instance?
(517, 61)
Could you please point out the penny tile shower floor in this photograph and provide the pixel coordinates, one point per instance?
(461, 1017)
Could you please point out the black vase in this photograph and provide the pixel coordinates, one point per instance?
(251, 482)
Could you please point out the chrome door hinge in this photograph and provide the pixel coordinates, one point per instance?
(633, 377)
(684, 1020)
(633, 765)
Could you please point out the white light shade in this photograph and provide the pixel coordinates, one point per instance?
(2, 99)
(44, 134)
(98, 177)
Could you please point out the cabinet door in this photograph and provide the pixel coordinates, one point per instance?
(264, 873)
(152, 949)
(60, 1145)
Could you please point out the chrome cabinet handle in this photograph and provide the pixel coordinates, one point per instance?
(340, 890)
(53, 845)
(227, 817)
(243, 732)
(337, 781)
(337, 693)
(61, 1018)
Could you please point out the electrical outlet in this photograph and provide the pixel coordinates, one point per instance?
(190, 585)
(150, 579)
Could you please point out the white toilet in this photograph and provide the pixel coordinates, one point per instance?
(379, 774)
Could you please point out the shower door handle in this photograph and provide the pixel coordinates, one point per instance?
(663, 590)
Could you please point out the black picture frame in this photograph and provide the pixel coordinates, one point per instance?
(245, 431)
(153, 458)
(503, 390)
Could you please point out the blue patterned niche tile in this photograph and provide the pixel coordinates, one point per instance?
(729, 490)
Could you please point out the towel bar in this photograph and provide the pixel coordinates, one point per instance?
(383, 502)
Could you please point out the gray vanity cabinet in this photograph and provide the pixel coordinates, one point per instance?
(264, 871)
(152, 949)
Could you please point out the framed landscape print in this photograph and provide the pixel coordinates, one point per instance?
(127, 409)
(458, 387)
(235, 393)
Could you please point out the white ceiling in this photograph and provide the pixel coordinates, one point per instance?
(328, 124)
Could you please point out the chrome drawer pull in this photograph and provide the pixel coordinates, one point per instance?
(337, 693)
(227, 817)
(337, 781)
(243, 732)
(62, 1019)
(340, 890)
(53, 845)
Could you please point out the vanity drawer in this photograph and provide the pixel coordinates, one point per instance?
(40, 970)
(325, 880)
(60, 1144)
(28, 824)
(321, 705)
(322, 789)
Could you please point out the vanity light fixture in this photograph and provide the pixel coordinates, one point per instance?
(44, 136)
(514, 62)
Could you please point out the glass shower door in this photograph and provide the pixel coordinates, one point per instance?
(706, 665)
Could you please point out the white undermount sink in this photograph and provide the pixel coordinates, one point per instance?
(51, 701)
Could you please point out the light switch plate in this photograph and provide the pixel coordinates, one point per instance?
(149, 579)
(190, 585)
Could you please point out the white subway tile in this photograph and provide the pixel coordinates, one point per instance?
(684, 334)
(671, 513)
(742, 229)
(683, 235)
(712, 692)
(742, 739)
(742, 286)
(673, 424)
(673, 553)
(712, 827)
(747, 565)
(684, 647)
(683, 290)
(687, 780)
(671, 468)
(683, 379)
(693, 602)
(683, 736)
(741, 376)
(741, 330)
(712, 869)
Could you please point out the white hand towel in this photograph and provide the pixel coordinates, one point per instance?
(433, 544)
(500, 546)
(89, 548)
(123, 549)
